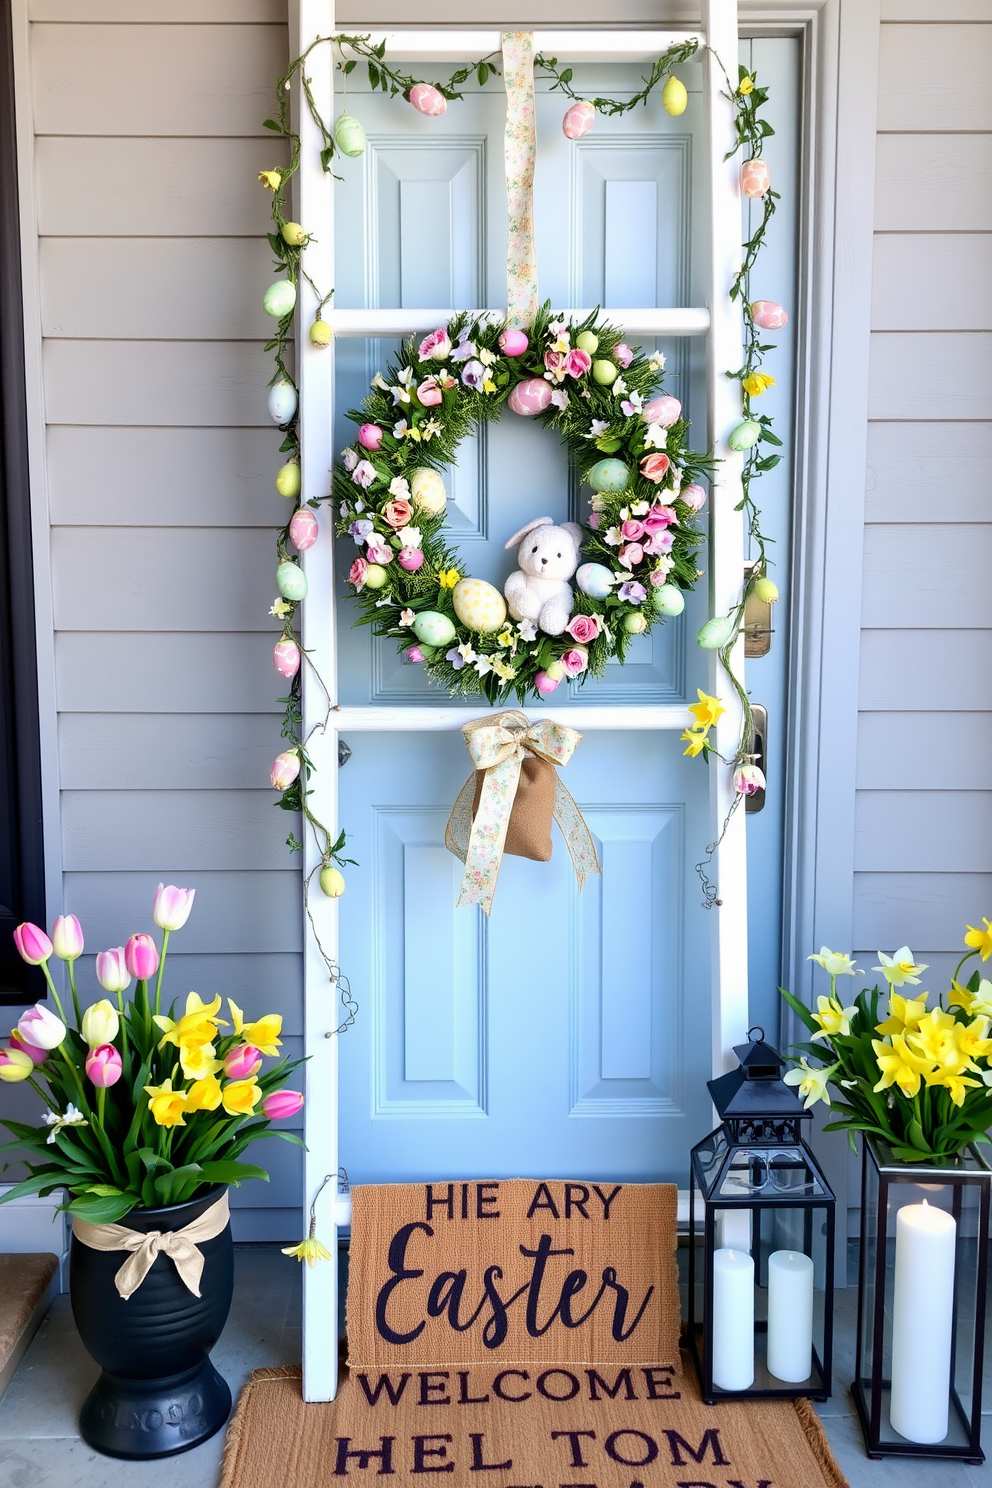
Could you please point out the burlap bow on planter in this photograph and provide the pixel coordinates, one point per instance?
(508, 804)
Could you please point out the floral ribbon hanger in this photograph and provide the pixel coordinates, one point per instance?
(519, 153)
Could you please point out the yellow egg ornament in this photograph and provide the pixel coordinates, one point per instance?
(674, 96)
(427, 491)
(478, 605)
(320, 333)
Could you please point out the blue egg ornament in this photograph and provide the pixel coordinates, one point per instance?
(433, 628)
(608, 475)
(595, 579)
(282, 401)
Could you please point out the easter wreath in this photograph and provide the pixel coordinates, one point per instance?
(625, 438)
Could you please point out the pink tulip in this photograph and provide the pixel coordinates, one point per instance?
(111, 970)
(281, 1104)
(285, 769)
(427, 100)
(67, 938)
(286, 658)
(41, 1028)
(242, 1062)
(577, 362)
(428, 393)
(172, 906)
(410, 558)
(654, 467)
(748, 780)
(545, 684)
(303, 529)
(14, 1066)
(141, 957)
(414, 654)
(370, 436)
(36, 1055)
(33, 945)
(104, 1066)
(694, 497)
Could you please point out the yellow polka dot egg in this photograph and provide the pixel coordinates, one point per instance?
(478, 605)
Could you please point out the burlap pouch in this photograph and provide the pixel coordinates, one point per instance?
(528, 833)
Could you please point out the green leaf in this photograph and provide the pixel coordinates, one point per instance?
(231, 1172)
(103, 1210)
(271, 124)
(801, 1011)
(915, 1134)
(104, 1190)
(373, 75)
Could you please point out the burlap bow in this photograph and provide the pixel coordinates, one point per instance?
(179, 1245)
(497, 745)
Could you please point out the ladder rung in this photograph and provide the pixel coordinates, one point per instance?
(646, 322)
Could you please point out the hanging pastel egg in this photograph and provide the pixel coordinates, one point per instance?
(410, 559)
(370, 436)
(289, 479)
(513, 343)
(282, 401)
(294, 234)
(530, 397)
(331, 881)
(674, 96)
(669, 599)
(303, 529)
(479, 605)
(768, 316)
(587, 341)
(578, 120)
(349, 136)
(608, 475)
(694, 497)
(427, 100)
(375, 576)
(286, 658)
(279, 299)
(427, 491)
(291, 581)
(433, 628)
(746, 434)
(664, 411)
(604, 373)
(320, 333)
(595, 579)
(635, 624)
(717, 633)
(755, 179)
(766, 590)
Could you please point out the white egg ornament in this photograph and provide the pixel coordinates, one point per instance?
(427, 491)
(279, 299)
(595, 579)
(282, 401)
(433, 628)
(479, 605)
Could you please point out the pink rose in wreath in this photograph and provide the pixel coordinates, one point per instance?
(583, 628)
(397, 512)
(655, 467)
(659, 541)
(428, 393)
(632, 529)
(577, 363)
(436, 346)
(356, 574)
(631, 554)
(660, 517)
(575, 661)
(554, 361)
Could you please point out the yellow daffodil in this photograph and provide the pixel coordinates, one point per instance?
(310, 1250)
(904, 1013)
(812, 1082)
(198, 1026)
(448, 578)
(272, 179)
(832, 1017)
(488, 386)
(264, 1033)
(899, 1065)
(204, 1095)
(696, 741)
(935, 1041)
(956, 1086)
(503, 669)
(900, 968)
(834, 963)
(280, 609)
(977, 1003)
(972, 1038)
(980, 940)
(707, 711)
(757, 383)
(745, 86)
(166, 1105)
(240, 1097)
(198, 1060)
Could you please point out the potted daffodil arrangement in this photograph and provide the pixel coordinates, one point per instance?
(149, 1108)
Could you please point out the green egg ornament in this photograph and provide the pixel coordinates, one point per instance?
(635, 624)
(294, 233)
(587, 341)
(432, 627)
(291, 581)
(604, 373)
(744, 436)
(375, 576)
(716, 633)
(669, 599)
(608, 475)
(279, 299)
(349, 136)
(289, 479)
(331, 881)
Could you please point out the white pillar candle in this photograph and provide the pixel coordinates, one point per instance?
(733, 1230)
(733, 1320)
(922, 1320)
(790, 1316)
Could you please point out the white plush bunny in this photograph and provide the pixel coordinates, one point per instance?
(539, 589)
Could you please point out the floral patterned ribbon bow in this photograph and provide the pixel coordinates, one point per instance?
(498, 745)
(519, 152)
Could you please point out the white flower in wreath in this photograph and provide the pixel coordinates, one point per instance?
(619, 388)
(656, 361)
(403, 393)
(633, 404)
(400, 486)
(460, 656)
(656, 437)
(409, 537)
(380, 382)
(527, 629)
(598, 427)
(363, 473)
(598, 503)
(429, 429)
(557, 328)
(407, 617)
(614, 537)
(560, 398)
(483, 665)
(640, 508)
(675, 471)
(487, 357)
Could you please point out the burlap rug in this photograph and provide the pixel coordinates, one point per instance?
(523, 1335)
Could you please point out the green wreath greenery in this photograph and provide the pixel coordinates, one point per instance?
(642, 528)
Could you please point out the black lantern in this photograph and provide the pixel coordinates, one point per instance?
(761, 1241)
(921, 1304)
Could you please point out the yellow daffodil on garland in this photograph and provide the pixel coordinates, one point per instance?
(921, 1077)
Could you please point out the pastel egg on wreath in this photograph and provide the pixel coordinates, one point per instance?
(427, 491)
(768, 316)
(427, 100)
(530, 397)
(578, 120)
(433, 628)
(282, 401)
(279, 299)
(349, 136)
(513, 343)
(303, 529)
(289, 479)
(479, 605)
(587, 341)
(669, 599)
(410, 559)
(608, 475)
(604, 372)
(664, 410)
(291, 581)
(595, 579)
(375, 576)
(635, 624)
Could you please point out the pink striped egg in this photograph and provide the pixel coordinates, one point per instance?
(578, 120)
(755, 179)
(303, 529)
(286, 658)
(530, 397)
(664, 411)
(768, 315)
(427, 100)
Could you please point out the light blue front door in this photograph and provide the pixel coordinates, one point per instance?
(568, 1035)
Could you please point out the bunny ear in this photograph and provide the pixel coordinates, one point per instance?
(574, 531)
(518, 537)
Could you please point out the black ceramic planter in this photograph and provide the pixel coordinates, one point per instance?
(158, 1393)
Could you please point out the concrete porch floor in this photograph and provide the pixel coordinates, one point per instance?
(40, 1446)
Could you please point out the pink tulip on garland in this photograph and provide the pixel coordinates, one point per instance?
(281, 1104)
(141, 957)
(285, 769)
(33, 945)
(104, 1066)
